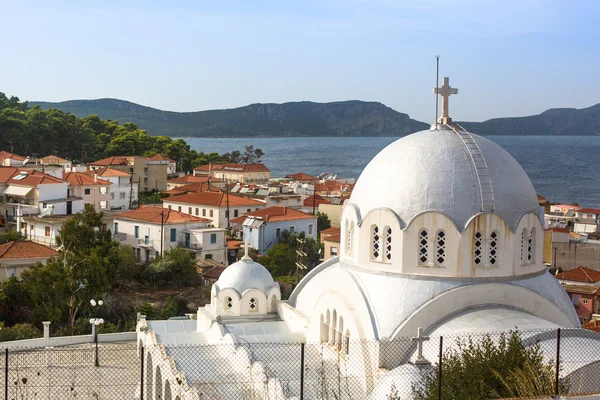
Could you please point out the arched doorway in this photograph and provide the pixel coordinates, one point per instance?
(149, 378)
(167, 390)
(158, 392)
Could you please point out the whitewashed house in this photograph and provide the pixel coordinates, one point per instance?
(213, 205)
(123, 190)
(150, 230)
(262, 229)
(90, 188)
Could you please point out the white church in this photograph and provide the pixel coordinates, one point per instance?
(441, 235)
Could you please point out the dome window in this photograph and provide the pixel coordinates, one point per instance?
(349, 233)
(229, 303)
(388, 244)
(531, 247)
(523, 237)
(478, 253)
(493, 249)
(440, 247)
(376, 243)
(423, 247)
(253, 304)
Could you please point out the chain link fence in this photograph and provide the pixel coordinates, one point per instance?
(542, 364)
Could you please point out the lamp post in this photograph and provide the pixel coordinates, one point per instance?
(96, 322)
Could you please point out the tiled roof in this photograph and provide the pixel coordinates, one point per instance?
(6, 154)
(563, 230)
(215, 272)
(332, 185)
(188, 179)
(301, 177)
(106, 172)
(275, 213)
(592, 326)
(160, 157)
(308, 202)
(334, 230)
(589, 210)
(81, 179)
(25, 249)
(33, 178)
(192, 188)
(582, 289)
(6, 173)
(333, 238)
(52, 160)
(580, 274)
(114, 160)
(234, 244)
(234, 168)
(213, 199)
(153, 215)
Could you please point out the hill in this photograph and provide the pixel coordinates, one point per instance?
(344, 118)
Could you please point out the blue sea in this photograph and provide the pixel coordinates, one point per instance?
(564, 169)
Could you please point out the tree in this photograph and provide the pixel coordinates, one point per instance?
(323, 223)
(281, 259)
(251, 155)
(174, 266)
(487, 367)
(11, 236)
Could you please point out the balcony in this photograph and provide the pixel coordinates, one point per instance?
(190, 246)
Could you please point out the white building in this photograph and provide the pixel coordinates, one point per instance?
(150, 230)
(454, 246)
(123, 190)
(213, 205)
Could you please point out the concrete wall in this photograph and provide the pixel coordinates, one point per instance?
(266, 237)
(333, 211)
(572, 255)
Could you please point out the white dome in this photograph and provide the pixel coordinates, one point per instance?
(244, 275)
(437, 171)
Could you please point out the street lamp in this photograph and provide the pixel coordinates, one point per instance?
(96, 322)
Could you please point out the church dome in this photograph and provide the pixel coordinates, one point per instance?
(244, 275)
(452, 172)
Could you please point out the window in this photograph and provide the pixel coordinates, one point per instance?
(146, 240)
(440, 248)
(131, 170)
(493, 249)
(47, 231)
(13, 271)
(584, 301)
(87, 191)
(253, 304)
(531, 247)
(197, 211)
(103, 190)
(388, 244)
(523, 234)
(116, 227)
(334, 251)
(206, 283)
(423, 247)
(122, 195)
(103, 204)
(190, 210)
(112, 195)
(278, 233)
(173, 235)
(179, 208)
(204, 212)
(213, 238)
(292, 229)
(478, 252)
(310, 229)
(210, 213)
(136, 230)
(349, 233)
(235, 213)
(375, 243)
(208, 256)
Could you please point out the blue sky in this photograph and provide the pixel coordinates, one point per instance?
(508, 58)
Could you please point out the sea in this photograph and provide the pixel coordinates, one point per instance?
(563, 169)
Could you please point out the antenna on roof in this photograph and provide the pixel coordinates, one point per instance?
(437, 86)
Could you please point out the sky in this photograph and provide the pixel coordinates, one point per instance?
(507, 58)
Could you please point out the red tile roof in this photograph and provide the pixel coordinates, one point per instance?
(234, 168)
(53, 160)
(592, 326)
(33, 178)
(214, 272)
(234, 244)
(160, 157)
(6, 173)
(81, 179)
(188, 179)
(589, 210)
(580, 274)
(114, 160)
(25, 249)
(308, 202)
(563, 230)
(6, 154)
(302, 177)
(275, 213)
(541, 198)
(107, 172)
(192, 188)
(332, 185)
(213, 199)
(333, 238)
(334, 230)
(153, 215)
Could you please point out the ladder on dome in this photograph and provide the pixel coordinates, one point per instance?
(484, 178)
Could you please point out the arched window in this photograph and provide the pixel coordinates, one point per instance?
(440, 248)
(349, 233)
(388, 244)
(149, 377)
(328, 323)
(375, 243)
(253, 304)
(346, 347)
(229, 303)
(478, 251)
(333, 330)
(167, 390)
(423, 247)
(158, 390)
(339, 339)
(324, 330)
(493, 249)
(523, 238)
(531, 247)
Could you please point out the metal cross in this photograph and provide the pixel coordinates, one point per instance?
(420, 339)
(445, 91)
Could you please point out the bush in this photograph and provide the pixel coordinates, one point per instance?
(19, 332)
(174, 266)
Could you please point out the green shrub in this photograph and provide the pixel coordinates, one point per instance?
(19, 332)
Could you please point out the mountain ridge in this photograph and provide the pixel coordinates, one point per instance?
(313, 119)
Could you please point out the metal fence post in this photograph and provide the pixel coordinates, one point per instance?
(440, 368)
(6, 373)
(556, 378)
(142, 373)
(302, 371)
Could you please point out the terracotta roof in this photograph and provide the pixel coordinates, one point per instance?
(6, 173)
(81, 179)
(213, 199)
(6, 154)
(107, 172)
(332, 185)
(153, 215)
(333, 238)
(114, 160)
(215, 272)
(33, 178)
(53, 160)
(541, 198)
(592, 326)
(275, 213)
(25, 249)
(331, 231)
(589, 210)
(301, 177)
(580, 274)
(563, 230)
(308, 202)
(160, 157)
(192, 188)
(188, 179)
(565, 206)
(234, 244)
(234, 168)
(583, 289)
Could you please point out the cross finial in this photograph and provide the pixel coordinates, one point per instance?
(420, 360)
(246, 247)
(445, 91)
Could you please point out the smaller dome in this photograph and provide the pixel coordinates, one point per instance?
(244, 275)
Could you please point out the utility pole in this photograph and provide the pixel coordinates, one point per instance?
(162, 230)
(131, 190)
